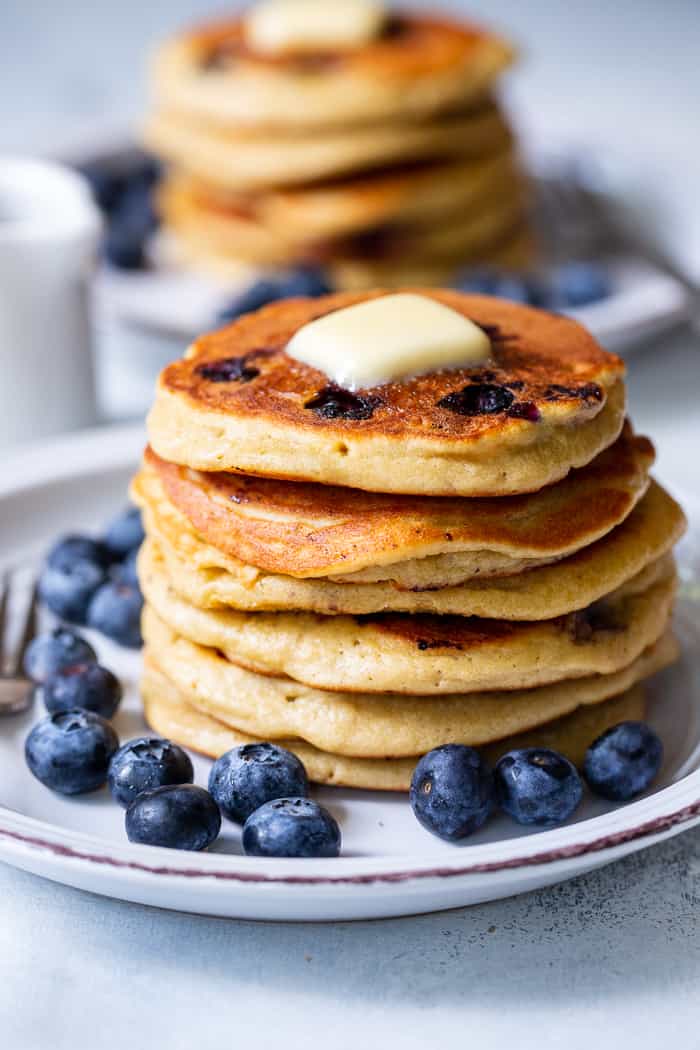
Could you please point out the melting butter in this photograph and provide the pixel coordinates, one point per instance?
(275, 26)
(389, 339)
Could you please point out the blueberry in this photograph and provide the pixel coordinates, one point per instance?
(84, 687)
(115, 610)
(623, 761)
(69, 751)
(253, 298)
(126, 571)
(70, 549)
(478, 282)
(131, 223)
(48, 653)
(291, 827)
(124, 533)
(578, 284)
(180, 816)
(452, 791)
(304, 281)
(503, 285)
(125, 247)
(147, 763)
(537, 786)
(248, 776)
(106, 183)
(67, 591)
(478, 399)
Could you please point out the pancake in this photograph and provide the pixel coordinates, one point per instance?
(308, 530)
(416, 194)
(369, 726)
(640, 546)
(421, 66)
(238, 161)
(515, 252)
(209, 228)
(170, 715)
(554, 399)
(431, 655)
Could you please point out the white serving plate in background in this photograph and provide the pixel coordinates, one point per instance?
(390, 865)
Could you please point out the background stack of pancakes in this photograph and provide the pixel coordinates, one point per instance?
(467, 556)
(389, 164)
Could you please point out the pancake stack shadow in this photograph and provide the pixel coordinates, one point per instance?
(391, 164)
(508, 579)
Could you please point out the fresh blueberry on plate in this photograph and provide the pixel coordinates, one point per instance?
(48, 653)
(75, 548)
(257, 295)
(181, 816)
(502, 284)
(84, 687)
(537, 786)
(452, 791)
(69, 751)
(304, 281)
(291, 827)
(145, 764)
(67, 591)
(131, 223)
(124, 533)
(115, 610)
(248, 776)
(106, 183)
(578, 284)
(126, 571)
(623, 761)
(125, 246)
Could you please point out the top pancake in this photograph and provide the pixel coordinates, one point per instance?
(549, 399)
(420, 65)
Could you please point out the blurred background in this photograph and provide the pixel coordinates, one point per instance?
(618, 83)
(620, 78)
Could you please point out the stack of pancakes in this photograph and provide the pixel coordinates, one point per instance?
(389, 164)
(475, 555)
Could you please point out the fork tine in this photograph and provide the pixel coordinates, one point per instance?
(28, 630)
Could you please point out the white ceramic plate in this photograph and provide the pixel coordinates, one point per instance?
(390, 866)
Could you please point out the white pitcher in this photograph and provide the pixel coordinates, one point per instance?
(49, 235)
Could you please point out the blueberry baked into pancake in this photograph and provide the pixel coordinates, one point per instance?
(381, 523)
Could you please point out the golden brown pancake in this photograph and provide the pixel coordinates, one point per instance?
(421, 65)
(418, 194)
(308, 530)
(370, 726)
(549, 399)
(240, 234)
(169, 713)
(515, 252)
(235, 160)
(640, 545)
(430, 655)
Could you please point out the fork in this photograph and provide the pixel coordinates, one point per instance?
(15, 687)
(577, 221)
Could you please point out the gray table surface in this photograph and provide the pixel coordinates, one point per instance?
(611, 958)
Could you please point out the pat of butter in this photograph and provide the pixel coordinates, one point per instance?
(275, 26)
(389, 339)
